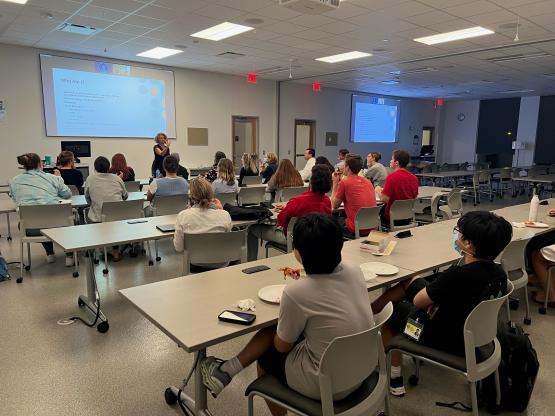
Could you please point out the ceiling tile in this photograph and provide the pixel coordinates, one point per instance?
(220, 13)
(102, 13)
(121, 5)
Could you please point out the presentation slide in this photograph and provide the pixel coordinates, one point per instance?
(374, 119)
(85, 98)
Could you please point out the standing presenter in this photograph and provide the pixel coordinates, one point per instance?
(161, 150)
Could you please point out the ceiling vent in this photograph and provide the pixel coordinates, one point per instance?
(519, 57)
(77, 29)
(413, 71)
(310, 6)
(276, 69)
(230, 55)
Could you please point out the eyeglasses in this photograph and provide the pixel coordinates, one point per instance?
(456, 229)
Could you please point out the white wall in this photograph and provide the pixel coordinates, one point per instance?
(331, 108)
(203, 99)
(457, 139)
(527, 128)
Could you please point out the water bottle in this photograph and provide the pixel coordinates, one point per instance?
(157, 173)
(534, 205)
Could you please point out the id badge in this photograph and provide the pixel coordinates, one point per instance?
(413, 329)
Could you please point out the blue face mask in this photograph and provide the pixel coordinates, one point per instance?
(455, 245)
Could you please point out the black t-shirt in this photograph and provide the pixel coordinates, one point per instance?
(269, 172)
(72, 177)
(245, 172)
(183, 172)
(456, 292)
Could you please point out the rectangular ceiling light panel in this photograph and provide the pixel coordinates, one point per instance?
(159, 53)
(471, 32)
(222, 31)
(344, 57)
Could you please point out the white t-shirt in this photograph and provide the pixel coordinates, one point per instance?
(221, 187)
(306, 173)
(320, 308)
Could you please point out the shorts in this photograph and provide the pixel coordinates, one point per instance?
(405, 308)
(273, 362)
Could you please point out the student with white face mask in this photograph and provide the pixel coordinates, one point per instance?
(442, 302)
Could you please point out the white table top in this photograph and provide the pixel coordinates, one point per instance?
(6, 205)
(79, 201)
(143, 181)
(536, 179)
(429, 191)
(450, 174)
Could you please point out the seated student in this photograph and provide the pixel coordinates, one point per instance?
(205, 215)
(541, 265)
(442, 302)
(269, 168)
(169, 185)
(376, 172)
(35, 187)
(248, 167)
(103, 187)
(225, 183)
(309, 156)
(119, 167)
(286, 176)
(321, 160)
(181, 170)
(330, 302)
(341, 155)
(212, 174)
(399, 184)
(313, 199)
(66, 169)
(354, 191)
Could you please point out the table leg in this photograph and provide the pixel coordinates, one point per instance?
(92, 299)
(199, 405)
(9, 226)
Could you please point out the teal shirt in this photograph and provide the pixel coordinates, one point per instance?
(35, 187)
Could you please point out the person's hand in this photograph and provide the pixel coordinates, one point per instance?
(57, 172)
(120, 174)
(378, 189)
(336, 177)
(551, 212)
(217, 203)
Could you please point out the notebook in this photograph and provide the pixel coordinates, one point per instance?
(166, 228)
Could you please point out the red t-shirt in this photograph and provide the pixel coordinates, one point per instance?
(355, 192)
(399, 185)
(303, 204)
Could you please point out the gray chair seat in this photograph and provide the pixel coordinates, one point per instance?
(269, 385)
(402, 343)
(276, 246)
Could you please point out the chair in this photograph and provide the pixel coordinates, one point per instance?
(434, 208)
(133, 186)
(480, 329)
(35, 217)
(227, 198)
(367, 218)
(168, 205)
(548, 254)
(505, 177)
(254, 195)
(119, 211)
(454, 207)
(286, 194)
(513, 261)
(481, 184)
(284, 248)
(210, 248)
(347, 361)
(74, 190)
(402, 210)
(252, 180)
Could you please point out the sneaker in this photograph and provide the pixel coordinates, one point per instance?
(51, 258)
(212, 377)
(397, 387)
(69, 261)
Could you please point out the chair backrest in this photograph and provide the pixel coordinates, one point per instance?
(435, 168)
(454, 201)
(289, 239)
(254, 195)
(286, 194)
(444, 168)
(211, 248)
(506, 173)
(367, 218)
(402, 210)
(514, 255)
(74, 190)
(484, 178)
(252, 180)
(427, 168)
(45, 216)
(227, 198)
(434, 205)
(349, 360)
(133, 186)
(122, 210)
(168, 205)
(480, 328)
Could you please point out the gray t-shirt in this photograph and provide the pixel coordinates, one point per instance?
(376, 174)
(321, 308)
(100, 188)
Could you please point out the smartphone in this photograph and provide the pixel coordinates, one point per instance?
(136, 221)
(404, 234)
(255, 269)
(241, 318)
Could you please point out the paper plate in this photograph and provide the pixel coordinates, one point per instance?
(271, 293)
(378, 268)
(368, 275)
(537, 225)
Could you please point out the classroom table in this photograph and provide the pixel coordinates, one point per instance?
(7, 206)
(79, 201)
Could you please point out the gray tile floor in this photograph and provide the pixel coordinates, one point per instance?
(46, 369)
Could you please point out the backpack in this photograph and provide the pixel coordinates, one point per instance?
(4, 272)
(517, 371)
(248, 213)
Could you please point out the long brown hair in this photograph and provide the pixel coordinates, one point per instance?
(200, 192)
(119, 164)
(286, 175)
(225, 171)
(29, 161)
